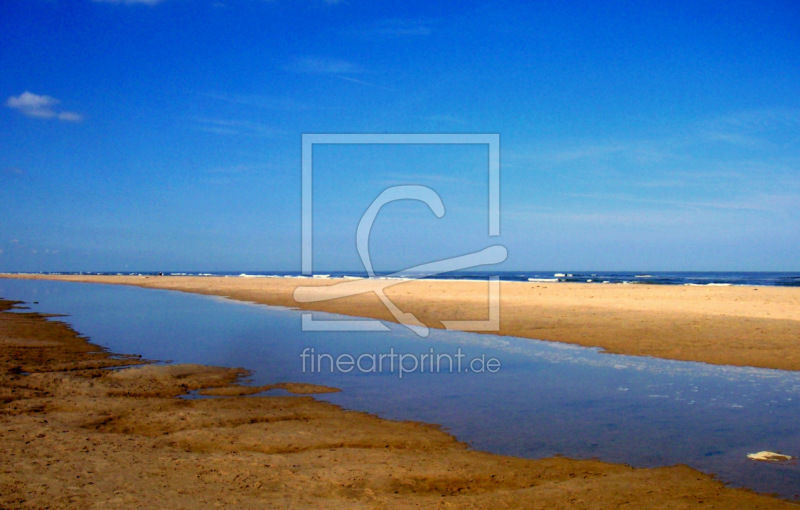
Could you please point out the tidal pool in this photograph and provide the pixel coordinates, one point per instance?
(510, 395)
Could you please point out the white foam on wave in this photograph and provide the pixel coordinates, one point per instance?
(708, 284)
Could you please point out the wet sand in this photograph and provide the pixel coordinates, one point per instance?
(75, 434)
(741, 325)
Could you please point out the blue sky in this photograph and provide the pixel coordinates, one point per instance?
(166, 135)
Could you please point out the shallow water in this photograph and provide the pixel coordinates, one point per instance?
(545, 399)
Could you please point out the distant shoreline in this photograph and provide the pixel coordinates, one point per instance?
(688, 278)
(724, 325)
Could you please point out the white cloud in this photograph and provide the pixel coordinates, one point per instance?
(33, 105)
(40, 107)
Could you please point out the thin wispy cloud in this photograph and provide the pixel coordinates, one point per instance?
(404, 27)
(759, 202)
(129, 2)
(335, 68)
(639, 151)
(751, 128)
(265, 102)
(241, 169)
(599, 218)
(392, 179)
(590, 153)
(361, 82)
(12, 172)
(237, 174)
(41, 107)
(735, 169)
(731, 138)
(236, 127)
(256, 101)
(444, 118)
(604, 211)
(314, 65)
(761, 119)
(397, 27)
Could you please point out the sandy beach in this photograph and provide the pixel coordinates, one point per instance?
(737, 325)
(77, 435)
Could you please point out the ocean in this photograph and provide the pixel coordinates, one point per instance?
(710, 278)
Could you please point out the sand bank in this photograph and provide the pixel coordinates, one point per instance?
(74, 434)
(744, 326)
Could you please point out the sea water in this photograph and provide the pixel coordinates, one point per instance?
(711, 278)
(539, 399)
